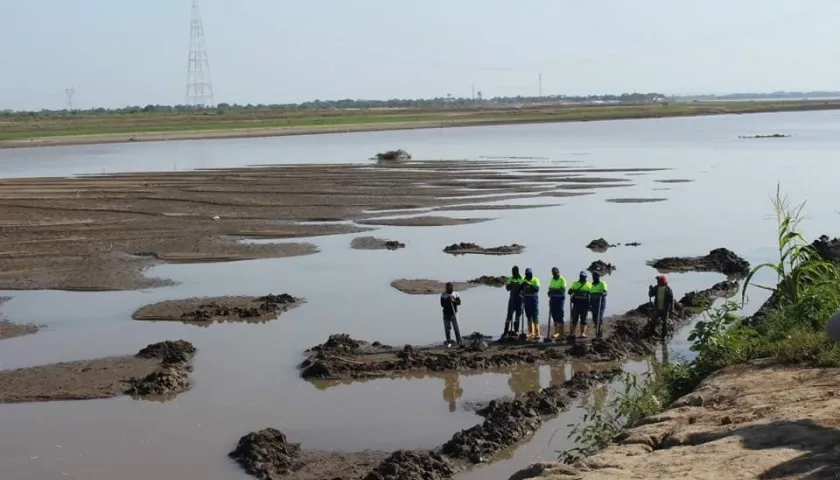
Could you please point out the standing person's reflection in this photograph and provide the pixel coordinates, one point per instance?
(452, 390)
(558, 375)
(665, 355)
(524, 379)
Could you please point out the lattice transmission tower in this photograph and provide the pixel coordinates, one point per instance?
(199, 87)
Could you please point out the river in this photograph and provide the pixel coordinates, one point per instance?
(245, 377)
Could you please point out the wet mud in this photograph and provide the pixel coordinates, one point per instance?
(719, 260)
(601, 267)
(425, 286)
(219, 309)
(373, 243)
(471, 207)
(465, 248)
(11, 330)
(424, 221)
(490, 281)
(601, 245)
(627, 335)
(635, 200)
(159, 371)
(268, 455)
(674, 180)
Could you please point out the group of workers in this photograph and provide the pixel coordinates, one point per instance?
(585, 297)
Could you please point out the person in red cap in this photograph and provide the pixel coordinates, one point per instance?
(663, 302)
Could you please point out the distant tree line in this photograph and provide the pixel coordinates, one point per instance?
(760, 96)
(419, 103)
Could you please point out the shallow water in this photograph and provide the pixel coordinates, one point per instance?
(244, 374)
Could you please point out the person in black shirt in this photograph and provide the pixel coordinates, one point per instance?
(449, 301)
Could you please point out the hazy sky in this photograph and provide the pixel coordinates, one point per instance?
(117, 52)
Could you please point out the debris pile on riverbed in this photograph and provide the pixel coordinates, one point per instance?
(169, 351)
(719, 260)
(465, 248)
(490, 281)
(173, 375)
(599, 245)
(267, 455)
(601, 267)
(373, 243)
(241, 308)
(412, 465)
(398, 155)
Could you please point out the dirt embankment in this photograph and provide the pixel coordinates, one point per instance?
(424, 286)
(207, 310)
(373, 243)
(630, 334)
(159, 371)
(11, 330)
(465, 248)
(719, 260)
(102, 232)
(745, 422)
(268, 455)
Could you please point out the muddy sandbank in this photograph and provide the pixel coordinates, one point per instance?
(635, 200)
(268, 455)
(423, 221)
(424, 286)
(748, 421)
(206, 310)
(10, 330)
(601, 267)
(674, 180)
(373, 243)
(625, 335)
(470, 207)
(464, 248)
(719, 260)
(82, 233)
(160, 370)
(600, 245)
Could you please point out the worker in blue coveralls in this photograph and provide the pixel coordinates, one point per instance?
(598, 302)
(514, 286)
(531, 302)
(557, 302)
(579, 293)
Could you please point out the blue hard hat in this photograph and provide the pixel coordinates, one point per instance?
(583, 273)
(528, 271)
(555, 269)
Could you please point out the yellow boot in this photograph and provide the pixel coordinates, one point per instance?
(537, 334)
(531, 331)
(558, 331)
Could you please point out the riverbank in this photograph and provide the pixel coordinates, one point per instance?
(85, 128)
(754, 420)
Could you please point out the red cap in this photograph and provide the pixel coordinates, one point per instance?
(662, 278)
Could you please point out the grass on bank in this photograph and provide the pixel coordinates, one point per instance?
(26, 127)
(791, 331)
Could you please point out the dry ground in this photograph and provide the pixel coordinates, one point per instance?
(755, 421)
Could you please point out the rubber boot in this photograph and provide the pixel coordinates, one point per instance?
(537, 334)
(530, 331)
(558, 331)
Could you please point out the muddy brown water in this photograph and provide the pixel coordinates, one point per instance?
(244, 378)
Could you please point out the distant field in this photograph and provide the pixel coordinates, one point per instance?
(80, 128)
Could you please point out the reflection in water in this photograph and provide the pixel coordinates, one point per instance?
(452, 390)
(665, 359)
(524, 379)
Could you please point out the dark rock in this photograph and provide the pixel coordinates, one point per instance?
(393, 156)
(267, 455)
(828, 249)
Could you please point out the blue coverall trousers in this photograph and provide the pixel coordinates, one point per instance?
(597, 306)
(579, 311)
(514, 308)
(532, 308)
(557, 308)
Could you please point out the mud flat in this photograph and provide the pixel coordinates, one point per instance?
(756, 420)
(469, 207)
(719, 260)
(206, 310)
(424, 286)
(101, 232)
(635, 200)
(268, 455)
(600, 245)
(161, 370)
(11, 330)
(674, 180)
(424, 221)
(373, 243)
(465, 248)
(630, 334)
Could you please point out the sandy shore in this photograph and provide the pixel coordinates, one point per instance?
(754, 421)
(101, 232)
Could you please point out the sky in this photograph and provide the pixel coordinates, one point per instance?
(116, 53)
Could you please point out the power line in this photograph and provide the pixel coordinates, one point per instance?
(199, 87)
